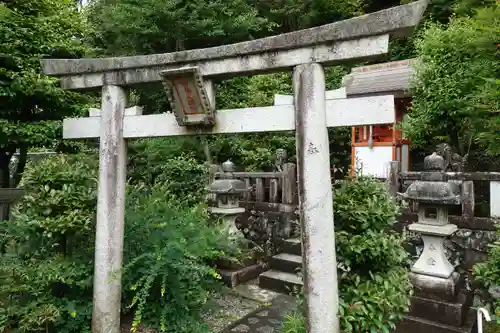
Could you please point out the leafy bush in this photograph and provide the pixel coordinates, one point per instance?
(374, 288)
(488, 273)
(173, 161)
(166, 275)
(456, 88)
(46, 269)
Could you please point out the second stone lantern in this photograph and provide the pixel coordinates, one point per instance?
(439, 297)
(228, 192)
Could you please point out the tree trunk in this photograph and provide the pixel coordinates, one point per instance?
(21, 164)
(206, 150)
(4, 181)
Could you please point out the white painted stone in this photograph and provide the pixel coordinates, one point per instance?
(330, 94)
(495, 199)
(340, 112)
(132, 111)
(315, 199)
(405, 158)
(432, 260)
(110, 212)
(253, 63)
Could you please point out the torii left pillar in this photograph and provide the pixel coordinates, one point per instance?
(110, 212)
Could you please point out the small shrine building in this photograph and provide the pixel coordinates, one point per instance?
(373, 147)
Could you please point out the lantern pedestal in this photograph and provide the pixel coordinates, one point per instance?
(440, 303)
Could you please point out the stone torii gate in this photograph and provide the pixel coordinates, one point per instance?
(187, 77)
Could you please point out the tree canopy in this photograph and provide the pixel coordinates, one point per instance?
(456, 89)
(31, 104)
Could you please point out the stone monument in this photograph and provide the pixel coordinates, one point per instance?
(228, 192)
(441, 302)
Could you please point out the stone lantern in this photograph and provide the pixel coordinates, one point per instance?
(439, 300)
(228, 192)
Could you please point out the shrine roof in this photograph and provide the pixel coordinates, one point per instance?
(390, 77)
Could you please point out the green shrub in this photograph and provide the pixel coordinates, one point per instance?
(374, 288)
(166, 275)
(488, 273)
(46, 269)
(456, 87)
(172, 161)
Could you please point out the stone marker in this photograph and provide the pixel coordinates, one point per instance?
(440, 303)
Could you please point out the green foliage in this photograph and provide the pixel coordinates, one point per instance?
(177, 162)
(145, 26)
(456, 90)
(140, 27)
(31, 104)
(167, 248)
(291, 15)
(488, 273)
(46, 267)
(257, 151)
(373, 282)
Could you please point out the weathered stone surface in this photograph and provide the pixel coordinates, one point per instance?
(418, 325)
(270, 319)
(464, 249)
(241, 328)
(450, 313)
(398, 20)
(265, 329)
(394, 77)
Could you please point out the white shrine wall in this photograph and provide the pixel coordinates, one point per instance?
(373, 161)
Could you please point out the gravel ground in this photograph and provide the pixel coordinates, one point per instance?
(229, 306)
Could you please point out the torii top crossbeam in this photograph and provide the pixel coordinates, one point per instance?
(328, 43)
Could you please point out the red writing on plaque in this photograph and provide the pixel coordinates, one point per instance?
(192, 106)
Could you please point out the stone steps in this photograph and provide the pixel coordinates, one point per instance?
(286, 262)
(284, 277)
(281, 282)
(292, 246)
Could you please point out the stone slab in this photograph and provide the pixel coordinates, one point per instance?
(437, 288)
(416, 325)
(285, 262)
(394, 77)
(368, 48)
(233, 278)
(434, 230)
(267, 319)
(281, 282)
(449, 313)
(349, 112)
(292, 246)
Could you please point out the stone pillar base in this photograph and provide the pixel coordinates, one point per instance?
(418, 325)
(435, 287)
(439, 305)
